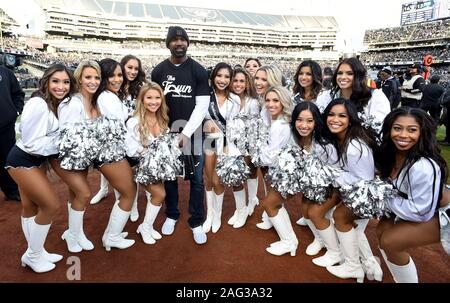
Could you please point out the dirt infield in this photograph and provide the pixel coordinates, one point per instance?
(230, 256)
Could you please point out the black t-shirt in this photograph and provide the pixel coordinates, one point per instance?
(181, 84)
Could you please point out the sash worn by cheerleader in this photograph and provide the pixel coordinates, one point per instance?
(215, 114)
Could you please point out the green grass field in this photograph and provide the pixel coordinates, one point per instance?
(445, 150)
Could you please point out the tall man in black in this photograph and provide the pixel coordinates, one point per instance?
(11, 105)
(432, 92)
(185, 85)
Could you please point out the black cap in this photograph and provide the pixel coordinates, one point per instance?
(416, 65)
(175, 31)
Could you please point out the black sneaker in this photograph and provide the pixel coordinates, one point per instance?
(13, 197)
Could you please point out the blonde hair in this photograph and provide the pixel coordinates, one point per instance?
(84, 64)
(162, 116)
(274, 75)
(285, 99)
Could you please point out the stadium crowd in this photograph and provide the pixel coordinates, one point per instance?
(432, 30)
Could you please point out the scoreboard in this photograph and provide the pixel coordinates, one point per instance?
(418, 11)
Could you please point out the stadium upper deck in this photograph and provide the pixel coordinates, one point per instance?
(124, 20)
(7, 23)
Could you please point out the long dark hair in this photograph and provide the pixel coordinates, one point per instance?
(319, 126)
(354, 131)
(43, 91)
(316, 71)
(107, 67)
(214, 72)
(135, 85)
(361, 93)
(249, 84)
(426, 146)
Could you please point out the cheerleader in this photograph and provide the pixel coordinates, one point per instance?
(243, 86)
(26, 164)
(71, 112)
(251, 65)
(149, 122)
(279, 106)
(224, 106)
(133, 80)
(309, 131)
(266, 76)
(307, 87)
(354, 147)
(116, 169)
(410, 158)
(350, 82)
(307, 82)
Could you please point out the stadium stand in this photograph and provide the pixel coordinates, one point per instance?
(119, 21)
(401, 46)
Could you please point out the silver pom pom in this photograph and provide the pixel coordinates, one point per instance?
(316, 178)
(111, 135)
(232, 170)
(370, 122)
(161, 162)
(367, 199)
(130, 104)
(286, 173)
(237, 132)
(78, 146)
(258, 137)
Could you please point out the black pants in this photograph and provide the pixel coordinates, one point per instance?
(7, 141)
(196, 207)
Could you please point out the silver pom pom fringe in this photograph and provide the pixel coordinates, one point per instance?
(111, 135)
(232, 170)
(316, 178)
(367, 199)
(258, 137)
(286, 173)
(238, 132)
(162, 162)
(78, 145)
